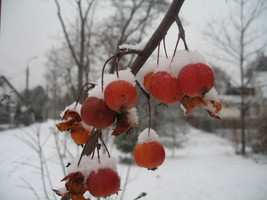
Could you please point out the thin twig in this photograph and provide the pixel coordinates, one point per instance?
(30, 188)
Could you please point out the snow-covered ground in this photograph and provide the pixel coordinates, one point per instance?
(206, 168)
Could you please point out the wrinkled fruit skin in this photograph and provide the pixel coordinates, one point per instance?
(149, 155)
(96, 113)
(165, 88)
(120, 95)
(196, 79)
(103, 183)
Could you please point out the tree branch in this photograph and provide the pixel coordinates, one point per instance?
(66, 33)
(158, 35)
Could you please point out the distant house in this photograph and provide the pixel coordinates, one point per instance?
(230, 98)
(259, 82)
(9, 99)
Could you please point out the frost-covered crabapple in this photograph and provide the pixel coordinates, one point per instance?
(103, 182)
(96, 113)
(120, 95)
(149, 152)
(196, 79)
(165, 88)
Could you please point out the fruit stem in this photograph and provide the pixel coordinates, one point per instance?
(117, 60)
(149, 115)
(165, 49)
(97, 149)
(149, 105)
(92, 86)
(175, 49)
(104, 145)
(181, 31)
(158, 55)
(95, 144)
(103, 69)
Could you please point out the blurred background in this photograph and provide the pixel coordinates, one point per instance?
(50, 48)
(46, 57)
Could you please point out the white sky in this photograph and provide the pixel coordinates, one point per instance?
(30, 28)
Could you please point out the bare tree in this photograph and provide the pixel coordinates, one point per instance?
(78, 39)
(58, 75)
(237, 40)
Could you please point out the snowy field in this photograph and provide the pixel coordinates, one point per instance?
(206, 168)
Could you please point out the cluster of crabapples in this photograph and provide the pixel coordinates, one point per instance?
(99, 178)
(185, 76)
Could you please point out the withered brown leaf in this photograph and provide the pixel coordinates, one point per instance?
(123, 124)
(211, 106)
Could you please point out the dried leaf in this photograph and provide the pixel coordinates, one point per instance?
(211, 106)
(69, 118)
(90, 145)
(190, 103)
(123, 124)
(74, 186)
(71, 121)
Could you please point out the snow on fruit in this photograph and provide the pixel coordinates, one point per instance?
(99, 177)
(149, 152)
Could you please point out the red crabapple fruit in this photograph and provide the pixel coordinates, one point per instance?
(149, 155)
(120, 95)
(149, 152)
(165, 88)
(196, 79)
(103, 182)
(96, 113)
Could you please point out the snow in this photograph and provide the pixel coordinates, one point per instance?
(146, 69)
(169, 65)
(139, 47)
(206, 168)
(124, 75)
(87, 164)
(96, 92)
(72, 107)
(132, 116)
(148, 135)
(211, 95)
(181, 59)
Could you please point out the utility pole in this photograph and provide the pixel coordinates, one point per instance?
(27, 78)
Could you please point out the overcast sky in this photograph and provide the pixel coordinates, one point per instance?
(30, 28)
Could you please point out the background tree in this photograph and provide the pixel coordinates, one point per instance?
(129, 23)
(238, 39)
(58, 75)
(78, 39)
